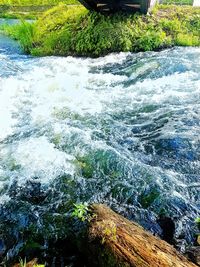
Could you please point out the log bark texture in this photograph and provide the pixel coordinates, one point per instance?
(117, 242)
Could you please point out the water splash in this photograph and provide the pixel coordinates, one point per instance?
(123, 129)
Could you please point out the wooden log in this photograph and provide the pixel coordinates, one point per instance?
(113, 241)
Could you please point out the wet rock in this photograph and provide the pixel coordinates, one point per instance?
(168, 228)
(193, 254)
(2, 249)
(31, 192)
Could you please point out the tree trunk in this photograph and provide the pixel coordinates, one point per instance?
(113, 241)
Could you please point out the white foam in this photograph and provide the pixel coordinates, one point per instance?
(39, 158)
(44, 97)
(7, 92)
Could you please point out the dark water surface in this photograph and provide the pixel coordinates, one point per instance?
(122, 130)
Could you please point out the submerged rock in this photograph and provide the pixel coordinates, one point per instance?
(193, 254)
(168, 228)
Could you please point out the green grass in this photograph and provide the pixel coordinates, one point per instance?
(26, 33)
(32, 3)
(177, 2)
(21, 15)
(76, 31)
(28, 9)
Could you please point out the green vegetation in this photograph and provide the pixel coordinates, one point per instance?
(28, 9)
(23, 263)
(109, 231)
(26, 32)
(197, 221)
(32, 3)
(80, 211)
(177, 2)
(76, 31)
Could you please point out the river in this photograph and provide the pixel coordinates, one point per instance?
(122, 130)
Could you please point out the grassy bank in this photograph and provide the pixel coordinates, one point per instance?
(31, 2)
(25, 12)
(28, 9)
(76, 31)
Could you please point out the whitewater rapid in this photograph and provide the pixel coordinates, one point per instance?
(123, 129)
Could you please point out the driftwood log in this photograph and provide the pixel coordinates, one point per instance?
(113, 241)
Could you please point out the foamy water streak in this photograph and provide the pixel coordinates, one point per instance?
(123, 129)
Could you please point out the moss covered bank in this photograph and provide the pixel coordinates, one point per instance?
(75, 31)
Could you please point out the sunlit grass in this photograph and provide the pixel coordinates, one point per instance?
(35, 2)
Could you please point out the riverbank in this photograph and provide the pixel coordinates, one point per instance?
(66, 30)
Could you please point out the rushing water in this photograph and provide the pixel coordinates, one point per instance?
(122, 130)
